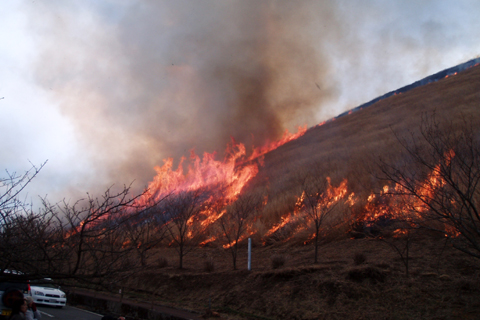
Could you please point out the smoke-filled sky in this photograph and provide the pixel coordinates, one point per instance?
(106, 89)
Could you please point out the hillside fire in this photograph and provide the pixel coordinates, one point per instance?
(223, 182)
(216, 186)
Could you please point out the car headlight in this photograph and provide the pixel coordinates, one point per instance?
(63, 295)
(38, 293)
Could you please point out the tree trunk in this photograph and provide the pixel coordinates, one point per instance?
(180, 266)
(234, 256)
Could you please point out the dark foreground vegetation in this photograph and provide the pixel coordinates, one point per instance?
(354, 279)
(371, 216)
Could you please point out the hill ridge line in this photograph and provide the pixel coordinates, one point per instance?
(429, 79)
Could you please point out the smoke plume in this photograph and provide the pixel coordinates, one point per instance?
(162, 78)
(142, 81)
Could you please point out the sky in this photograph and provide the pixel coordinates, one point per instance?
(104, 90)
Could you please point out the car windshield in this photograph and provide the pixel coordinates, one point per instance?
(45, 284)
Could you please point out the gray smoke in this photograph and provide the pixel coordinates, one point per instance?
(146, 80)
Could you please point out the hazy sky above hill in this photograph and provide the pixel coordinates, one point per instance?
(107, 89)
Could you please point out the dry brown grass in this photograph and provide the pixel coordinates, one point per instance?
(278, 261)
(444, 283)
(359, 258)
(209, 264)
(162, 262)
(350, 147)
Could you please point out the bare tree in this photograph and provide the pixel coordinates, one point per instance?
(441, 172)
(317, 202)
(84, 241)
(180, 213)
(233, 222)
(394, 222)
(92, 237)
(12, 211)
(12, 186)
(145, 232)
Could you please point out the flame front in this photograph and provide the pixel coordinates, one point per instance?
(302, 218)
(226, 179)
(400, 203)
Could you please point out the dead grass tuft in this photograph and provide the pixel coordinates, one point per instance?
(209, 264)
(444, 284)
(359, 274)
(467, 285)
(383, 265)
(359, 258)
(162, 262)
(278, 261)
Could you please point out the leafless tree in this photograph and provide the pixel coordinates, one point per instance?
(89, 237)
(145, 232)
(317, 202)
(441, 172)
(180, 212)
(12, 211)
(233, 222)
(11, 188)
(84, 241)
(398, 224)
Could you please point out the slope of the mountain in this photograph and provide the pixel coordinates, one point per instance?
(348, 147)
(354, 278)
(432, 78)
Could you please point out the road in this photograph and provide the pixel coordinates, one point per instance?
(67, 313)
(167, 311)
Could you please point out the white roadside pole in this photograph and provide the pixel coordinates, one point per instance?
(249, 254)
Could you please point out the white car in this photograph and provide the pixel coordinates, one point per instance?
(47, 293)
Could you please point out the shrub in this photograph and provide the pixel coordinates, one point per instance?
(383, 265)
(162, 262)
(209, 265)
(470, 285)
(363, 273)
(278, 261)
(359, 258)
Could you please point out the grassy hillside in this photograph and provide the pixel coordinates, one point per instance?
(343, 145)
(355, 278)
(349, 147)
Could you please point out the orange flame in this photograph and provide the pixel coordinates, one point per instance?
(229, 175)
(400, 203)
(287, 137)
(234, 171)
(299, 220)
